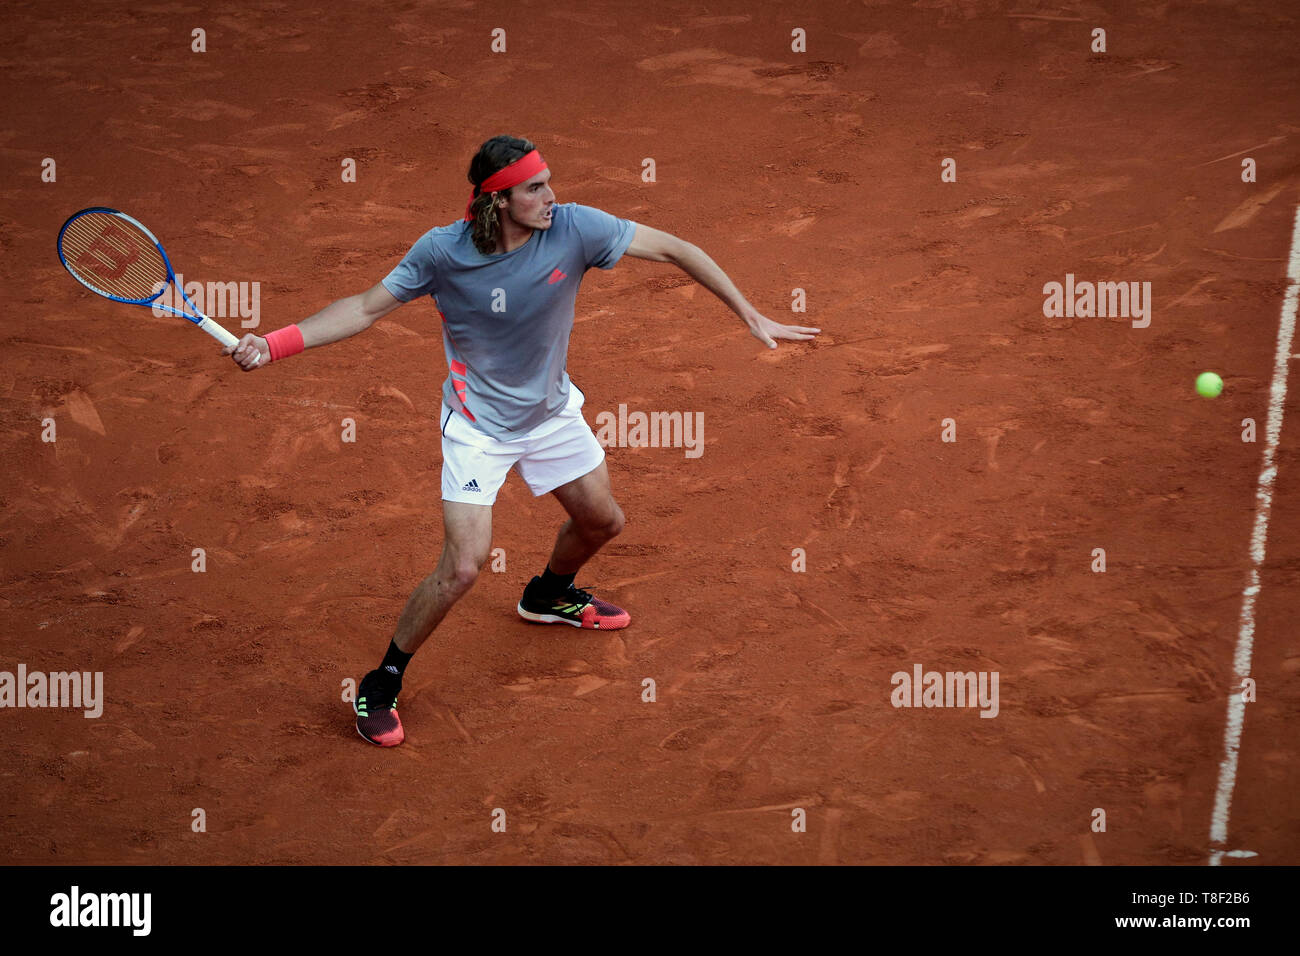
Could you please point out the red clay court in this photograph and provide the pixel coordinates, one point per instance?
(818, 171)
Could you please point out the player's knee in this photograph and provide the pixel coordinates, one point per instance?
(462, 568)
(463, 575)
(611, 527)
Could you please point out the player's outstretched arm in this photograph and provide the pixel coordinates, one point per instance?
(338, 320)
(658, 246)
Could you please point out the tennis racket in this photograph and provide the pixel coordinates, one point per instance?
(115, 256)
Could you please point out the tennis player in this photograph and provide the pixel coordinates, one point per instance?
(504, 280)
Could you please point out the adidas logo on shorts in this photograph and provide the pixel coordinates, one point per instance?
(472, 486)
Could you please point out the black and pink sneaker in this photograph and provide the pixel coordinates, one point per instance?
(573, 606)
(376, 708)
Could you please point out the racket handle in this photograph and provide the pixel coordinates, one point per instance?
(218, 333)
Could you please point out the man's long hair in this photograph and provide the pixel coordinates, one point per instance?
(495, 154)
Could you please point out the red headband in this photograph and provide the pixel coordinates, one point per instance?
(525, 167)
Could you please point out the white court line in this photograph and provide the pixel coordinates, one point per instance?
(1258, 539)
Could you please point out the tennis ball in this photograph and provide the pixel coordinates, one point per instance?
(1208, 384)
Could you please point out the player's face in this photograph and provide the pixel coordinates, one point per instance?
(531, 201)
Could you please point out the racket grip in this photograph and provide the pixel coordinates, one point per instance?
(218, 333)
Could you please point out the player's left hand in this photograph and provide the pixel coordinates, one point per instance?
(767, 331)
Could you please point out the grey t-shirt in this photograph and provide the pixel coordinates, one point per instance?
(506, 318)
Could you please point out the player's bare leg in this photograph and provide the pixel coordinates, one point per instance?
(466, 543)
(465, 548)
(595, 519)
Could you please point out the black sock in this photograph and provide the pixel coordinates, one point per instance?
(395, 661)
(553, 583)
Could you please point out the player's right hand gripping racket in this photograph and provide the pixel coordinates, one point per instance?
(114, 255)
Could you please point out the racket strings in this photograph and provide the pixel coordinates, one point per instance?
(111, 255)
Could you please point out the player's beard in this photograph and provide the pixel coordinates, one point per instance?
(538, 220)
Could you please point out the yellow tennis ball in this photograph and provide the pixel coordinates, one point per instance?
(1208, 384)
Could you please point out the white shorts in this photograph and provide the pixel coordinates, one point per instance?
(475, 465)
